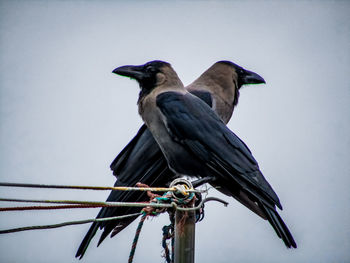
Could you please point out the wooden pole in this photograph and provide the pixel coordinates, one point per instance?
(185, 222)
(184, 236)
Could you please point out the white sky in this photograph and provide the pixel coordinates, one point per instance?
(64, 117)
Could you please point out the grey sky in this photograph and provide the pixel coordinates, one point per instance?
(64, 117)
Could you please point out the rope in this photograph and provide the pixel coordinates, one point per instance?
(118, 204)
(168, 233)
(116, 188)
(136, 238)
(49, 207)
(172, 248)
(19, 229)
(93, 203)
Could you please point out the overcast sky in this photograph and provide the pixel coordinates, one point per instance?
(64, 117)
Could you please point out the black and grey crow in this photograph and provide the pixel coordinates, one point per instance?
(196, 142)
(142, 161)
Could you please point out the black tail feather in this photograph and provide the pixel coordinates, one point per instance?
(279, 226)
(86, 241)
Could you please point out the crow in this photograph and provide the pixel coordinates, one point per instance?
(142, 160)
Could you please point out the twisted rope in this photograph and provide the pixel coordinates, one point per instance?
(136, 238)
(19, 229)
(168, 233)
(48, 207)
(84, 187)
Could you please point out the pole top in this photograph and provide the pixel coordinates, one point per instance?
(182, 185)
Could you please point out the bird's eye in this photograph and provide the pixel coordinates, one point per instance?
(149, 69)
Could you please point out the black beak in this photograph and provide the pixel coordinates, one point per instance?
(249, 77)
(135, 72)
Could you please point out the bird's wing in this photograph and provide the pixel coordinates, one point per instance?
(193, 124)
(119, 161)
(133, 156)
(204, 96)
(136, 162)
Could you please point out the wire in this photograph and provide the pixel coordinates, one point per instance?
(81, 187)
(48, 207)
(69, 223)
(96, 203)
(85, 204)
(116, 204)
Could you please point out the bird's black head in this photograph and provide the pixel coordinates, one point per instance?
(244, 76)
(146, 75)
